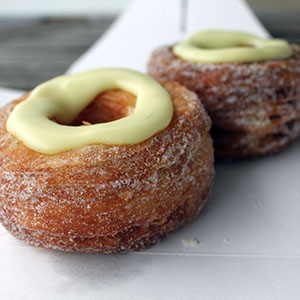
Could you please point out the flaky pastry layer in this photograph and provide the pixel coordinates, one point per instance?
(102, 198)
(243, 99)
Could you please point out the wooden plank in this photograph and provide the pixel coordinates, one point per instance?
(34, 50)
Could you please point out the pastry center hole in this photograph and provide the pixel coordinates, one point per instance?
(245, 46)
(110, 105)
(220, 46)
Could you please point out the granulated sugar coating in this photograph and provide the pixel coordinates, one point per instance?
(254, 107)
(102, 198)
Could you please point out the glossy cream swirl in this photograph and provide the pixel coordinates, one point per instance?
(64, 97)
(217, 46)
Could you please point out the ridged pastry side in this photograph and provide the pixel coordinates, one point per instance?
(243, 99)
(102, 198)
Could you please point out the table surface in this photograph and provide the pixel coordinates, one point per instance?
(34, 50)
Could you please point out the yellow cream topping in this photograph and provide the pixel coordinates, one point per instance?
(64, 97)
(218, 46)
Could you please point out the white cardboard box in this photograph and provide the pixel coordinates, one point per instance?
(245, 243)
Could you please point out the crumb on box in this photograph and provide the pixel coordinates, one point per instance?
(192, 242)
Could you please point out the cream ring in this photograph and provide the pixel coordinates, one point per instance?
(216, 46)
(64, 97)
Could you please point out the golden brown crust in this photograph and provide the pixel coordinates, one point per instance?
(255, 99)
(102, 198)
(235, 144)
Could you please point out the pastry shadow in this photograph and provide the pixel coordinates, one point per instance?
(242, 175)
(242, 201)
(85, 272)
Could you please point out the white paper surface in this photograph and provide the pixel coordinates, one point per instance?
(248, 234)
(149, 24)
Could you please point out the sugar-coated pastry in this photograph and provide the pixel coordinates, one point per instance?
(107, 160)
(249, 86)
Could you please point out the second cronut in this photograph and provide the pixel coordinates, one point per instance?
(254, 107)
